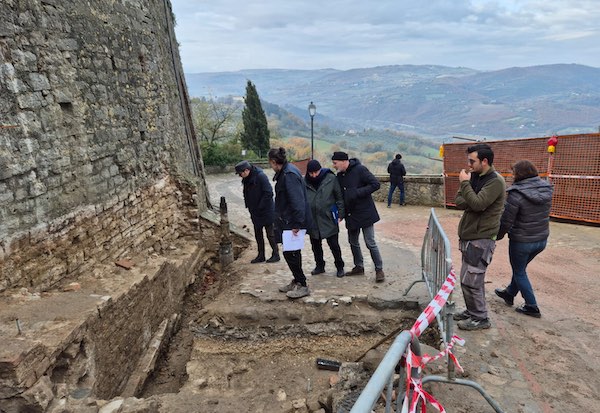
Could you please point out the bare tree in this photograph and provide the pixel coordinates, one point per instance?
(215, 121)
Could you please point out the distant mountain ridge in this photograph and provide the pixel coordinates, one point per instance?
(428, 99)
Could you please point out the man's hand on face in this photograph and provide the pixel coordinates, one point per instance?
(464, 175)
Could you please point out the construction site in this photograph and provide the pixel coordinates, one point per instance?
(125, 275)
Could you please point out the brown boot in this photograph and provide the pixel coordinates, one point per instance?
(379, 276)
(356, 271)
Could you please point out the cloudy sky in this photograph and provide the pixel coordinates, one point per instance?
(229, 35)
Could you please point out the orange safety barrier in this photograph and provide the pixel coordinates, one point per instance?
(573, 169)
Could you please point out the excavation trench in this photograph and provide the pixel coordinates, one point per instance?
(176, 335)
(243, 354)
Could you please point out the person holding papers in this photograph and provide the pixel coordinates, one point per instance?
(327, 207)
(292, 218)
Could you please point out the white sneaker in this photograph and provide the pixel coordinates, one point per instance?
(299, 292)
(289, 287)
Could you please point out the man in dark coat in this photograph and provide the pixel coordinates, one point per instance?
(292, 213)
(397, 171)
(327, 207)
(357, 184)
(258, 198)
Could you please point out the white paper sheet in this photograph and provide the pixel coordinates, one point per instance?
(293, 242)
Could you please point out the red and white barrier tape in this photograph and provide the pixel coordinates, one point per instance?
(574, 176)
(412, 360)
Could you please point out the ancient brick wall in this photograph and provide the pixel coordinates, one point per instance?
(156, 298)
(95, 143)
(148, 218)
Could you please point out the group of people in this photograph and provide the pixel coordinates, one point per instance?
(491, 212)
(322, 199)
(317, 203)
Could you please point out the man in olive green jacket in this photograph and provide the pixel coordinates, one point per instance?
(327, 207)
(481, 196)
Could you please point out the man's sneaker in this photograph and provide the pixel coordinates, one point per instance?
(529, 310)
(379, 276)
(318, 270)
(389, 206)
(472, 324)
(356, 271)
(340, 273)
(289, 287)
(299, 292)
(463, 315)
(258, 259)
(274, 258)
(502, 293)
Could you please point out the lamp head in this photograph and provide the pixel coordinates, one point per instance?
(312, 109)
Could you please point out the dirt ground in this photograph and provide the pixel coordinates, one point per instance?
(555, 357)
(253, 355)
(237, 353)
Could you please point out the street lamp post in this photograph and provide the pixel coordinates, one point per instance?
(312, 111)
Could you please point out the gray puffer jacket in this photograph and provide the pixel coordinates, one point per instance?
(526, 211)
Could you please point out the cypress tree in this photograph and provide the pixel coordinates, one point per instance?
(255, 135)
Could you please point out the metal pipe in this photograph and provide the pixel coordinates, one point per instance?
(468, 383)
(386, 368)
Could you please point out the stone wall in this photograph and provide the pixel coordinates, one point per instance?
(418, 190)
(87, 343)
(119, 338)
(97, 153)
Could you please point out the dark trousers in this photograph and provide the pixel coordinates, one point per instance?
(260, 240)
(294, 262)
(400, 186)
(334, 246)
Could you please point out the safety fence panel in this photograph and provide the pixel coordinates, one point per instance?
(436, 263)
(439, 277)
(575, 173)
(573, 169)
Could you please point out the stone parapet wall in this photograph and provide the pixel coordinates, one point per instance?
(418, 190)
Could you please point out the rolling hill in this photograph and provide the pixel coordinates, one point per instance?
(435, 101)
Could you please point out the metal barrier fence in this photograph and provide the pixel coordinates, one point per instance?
(436, 264)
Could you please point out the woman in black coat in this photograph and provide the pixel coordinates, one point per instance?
(292, 213)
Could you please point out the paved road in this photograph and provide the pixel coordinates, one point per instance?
(400, 259)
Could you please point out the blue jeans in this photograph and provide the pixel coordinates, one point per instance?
(400, 186)
(369, 237)
(521, 254)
